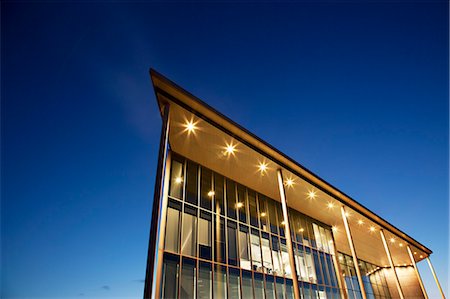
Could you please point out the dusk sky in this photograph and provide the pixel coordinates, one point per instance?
(357, 93)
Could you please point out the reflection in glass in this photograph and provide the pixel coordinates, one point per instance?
(234, 283)
(172, 228)
(176, 179)
(272, 216)
(252, 208)
(219, 194)
(270, 287)
(281, 294)
(191, 183)
(242, 204)
(220, 281)
(204, 281)
(232, 243)
(256, 251)
(266, 253)
(262, 201)
(231, 199)
(276, 257)
(289, 289)
(259, 286)
(188, 278)
(219, 235)
(204, 236)
(206, 192)
(285, 259)
(244, 248)
(169, 284)
(247, 288)
(189, 232)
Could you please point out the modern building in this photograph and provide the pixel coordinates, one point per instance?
(233, 217)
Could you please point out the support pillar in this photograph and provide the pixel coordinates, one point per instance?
(155, 249)
(413, 261)
(288, 234)
(435, 277)
(391, 263)
(352, 248)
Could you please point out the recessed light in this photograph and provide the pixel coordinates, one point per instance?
(311, 194)
(263, 214)
(211, 193)
(190, 126)
(178, 180)
(360, 222)
(289, 182)
(239, 205)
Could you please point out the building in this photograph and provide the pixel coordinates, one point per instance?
(234, 217)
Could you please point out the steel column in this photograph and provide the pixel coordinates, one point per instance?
(352, 248)
(411, 256)
(288, 234)
(155, 247)
(391, 262)
(435, 277)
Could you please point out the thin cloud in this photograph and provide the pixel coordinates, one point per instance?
(106, 287)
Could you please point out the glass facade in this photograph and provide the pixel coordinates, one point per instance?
(224, 240)
(373, 278)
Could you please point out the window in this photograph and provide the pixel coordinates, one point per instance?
(253, 208)
(169, 284)
(279, 286)
(289, 289)
(285, 259)
(172, 226)
(204, 236)
(231, 199)
(188, 281)
(232, 243)
(263, 213)
(281, 222)
(234, 283)
(270, 287)
(189, 232)
(219, 194)
(204, 281)
(272, 217)
(276, 257)
(242, 204)
(220, 281)
(259, 286)
(256, 251)
(192, 183)
(219, 235)
(244, 248)
(206, 191)
(247, 289)
(176, 179)
(266, 254)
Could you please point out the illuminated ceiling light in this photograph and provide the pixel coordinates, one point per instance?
(178, 180)
(347, 214)
(311, 194)
(239, 205)
(415, 253)
(404, 265)
(421, 256)
(289, 182)
(334, 229)
(263, 214)
(283, 223)
(360, 222)
(330, 205)
(211, 193)
(190, 127)
(401, 245)
(230, 149)
(372, 229)
(262, 167)
(301, 230)
(392, 240)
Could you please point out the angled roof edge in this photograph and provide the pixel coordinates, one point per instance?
(180, 96)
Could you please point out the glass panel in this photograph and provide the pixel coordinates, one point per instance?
(317, 237)
(172, 230)
(232, 243)
(289, 289)
(266, 254)
(220, 282)
(206, 191)
(242, 204)
(189, 233)
(176, 179)
(169, 284)
(252, 208)
(234, 283)
(244, 249)
(231, 199)
(218, 194)
(324, 239)
(310, 266)
(270, 287)
(272, 216)
(262, 201)
(281, 222)
(301, 264)
(204, 236)
(285, 260)
(259, 286)
(256, 251)
(326, 280)
(192, 183)
(276, 257)
(204, 281)
(219, 235)
(247, 288)
(281, 294)
(317, 266)
(188, 279)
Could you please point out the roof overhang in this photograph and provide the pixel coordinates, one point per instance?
(207, 146)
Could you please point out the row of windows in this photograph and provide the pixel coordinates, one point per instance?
(190, 278)
(374, 280)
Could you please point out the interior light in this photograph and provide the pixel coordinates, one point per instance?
(401, 245)
(283, 223)
(211, 193)
(178, 180)
(263, 214)
(311, 194)
(330, 205)
(239, 205)
(347, 214)
(301, 230)
(404, 265)
(421, 256)
(262, 167)
(392, 240)
(372, 229)
(360, 222)
(334, 228)
(415, 253)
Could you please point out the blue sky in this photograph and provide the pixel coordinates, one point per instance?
(358, 93)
